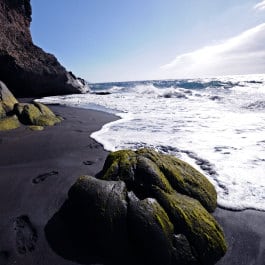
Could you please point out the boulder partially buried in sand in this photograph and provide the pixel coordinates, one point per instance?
(7, 100)
(150, 229)
(36, 115)
(103, 206)
(146, 167)
(9, 123)
(152, 206)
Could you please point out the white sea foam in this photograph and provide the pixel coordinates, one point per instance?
(218, 129)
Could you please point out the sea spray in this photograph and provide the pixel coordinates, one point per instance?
(217, 125)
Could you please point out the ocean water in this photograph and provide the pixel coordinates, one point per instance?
(215, 124)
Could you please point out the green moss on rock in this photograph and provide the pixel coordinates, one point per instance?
(44, 109)
(36, 114)
(103, 208)
(120, 165)
(9, 123)
(137, 172)
(146, 167)
(45, 120)
(184, 178)
(36, 128)
(147, 175)
(29, 114)
(7, 98)
(2, 111)
(18, 108)
(201, 229)
(165, 215)
(151, 230)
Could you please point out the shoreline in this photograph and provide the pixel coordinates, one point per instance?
(38, 168)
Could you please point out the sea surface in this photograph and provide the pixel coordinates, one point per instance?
(215, 124)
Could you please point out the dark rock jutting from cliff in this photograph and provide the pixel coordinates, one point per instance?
(25, 68)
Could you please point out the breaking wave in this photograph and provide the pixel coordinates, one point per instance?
(217, 125)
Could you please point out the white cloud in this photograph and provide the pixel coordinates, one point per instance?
(260, 6)
(243, 54)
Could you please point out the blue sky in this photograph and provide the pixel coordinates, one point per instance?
(119, 40)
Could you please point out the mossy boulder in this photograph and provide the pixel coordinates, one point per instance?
(6, 98)
(138, 172)
(136, 202)
(184, 178)
(2, 111)
(103, 208)
(120, 165)
(44, 120)
(27, 113)
(18, 108)
(142, 169)
(193, 220)
(183, 254)
(44, 109)
(36, 114)
(9, 123)
(184, 193)
(150, 230)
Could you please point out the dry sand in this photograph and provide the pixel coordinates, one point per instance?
(38, 168)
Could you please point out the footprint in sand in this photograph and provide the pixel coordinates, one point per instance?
(93, 146)
(26, 234)
(42, 177)
(88, 163)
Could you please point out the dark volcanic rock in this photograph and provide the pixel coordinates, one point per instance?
(7, 100)
(201, 229)
(154, 204)
(103, 207)
(9, 123)
(145, 167)
(25, 68)
(36, 115)
(183, 254)
(183, 192)
(150, 230)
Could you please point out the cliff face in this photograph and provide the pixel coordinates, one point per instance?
(25, 68)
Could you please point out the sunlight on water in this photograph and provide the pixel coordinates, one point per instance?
(217, 125)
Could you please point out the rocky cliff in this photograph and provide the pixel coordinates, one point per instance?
(25, 68)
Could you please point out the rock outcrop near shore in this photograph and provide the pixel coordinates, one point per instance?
(12, 113)
(25, 68)
(146, 205)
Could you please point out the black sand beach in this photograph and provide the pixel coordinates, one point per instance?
(38, 168)
(245, 234)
